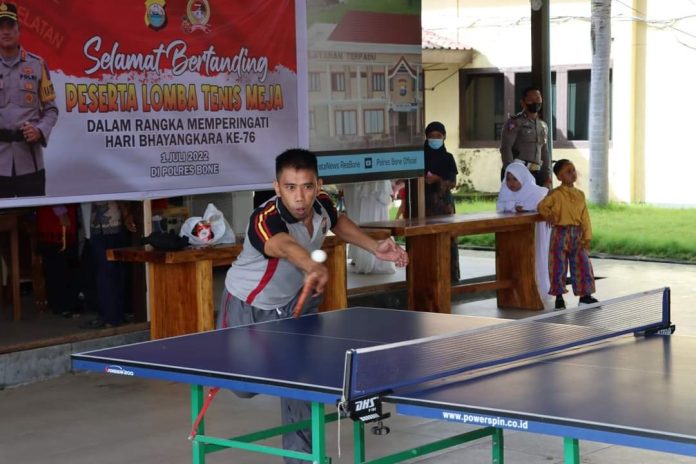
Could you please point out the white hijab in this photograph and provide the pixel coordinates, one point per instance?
(528, 196)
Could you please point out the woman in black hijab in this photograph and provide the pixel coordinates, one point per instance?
(440, 179)
(440, 172)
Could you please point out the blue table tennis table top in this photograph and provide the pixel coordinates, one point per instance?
(633, 391)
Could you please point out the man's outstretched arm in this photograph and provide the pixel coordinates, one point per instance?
(385, 250)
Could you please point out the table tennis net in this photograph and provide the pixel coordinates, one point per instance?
(374, 370)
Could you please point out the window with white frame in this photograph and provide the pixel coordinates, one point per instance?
(488, 98)
(378, 82)
(374, 121)
(483, 107)
(338, 82)
(314, 82)
(346, 122)
(578, 100)
(578, 104)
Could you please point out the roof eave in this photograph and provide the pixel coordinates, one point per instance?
(447, 56)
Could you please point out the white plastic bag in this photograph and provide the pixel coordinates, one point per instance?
(211, 229)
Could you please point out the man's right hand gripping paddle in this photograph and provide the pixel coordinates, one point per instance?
(311, 282)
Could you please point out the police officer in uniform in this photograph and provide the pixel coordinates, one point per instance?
(27, 112)
(524, 138)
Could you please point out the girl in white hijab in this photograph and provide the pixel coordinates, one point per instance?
(519, 193)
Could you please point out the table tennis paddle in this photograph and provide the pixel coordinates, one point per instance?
(208, 399)
(318, 256)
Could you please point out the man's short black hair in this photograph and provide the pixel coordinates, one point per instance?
(560, 164)
(296, 158)
(526, 90)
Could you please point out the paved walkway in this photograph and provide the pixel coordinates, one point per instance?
(94, 418)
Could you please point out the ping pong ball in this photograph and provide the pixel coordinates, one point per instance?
(318, 256)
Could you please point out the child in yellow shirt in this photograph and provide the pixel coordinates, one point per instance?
(565, 210)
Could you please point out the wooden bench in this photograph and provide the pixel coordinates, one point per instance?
(428, 245)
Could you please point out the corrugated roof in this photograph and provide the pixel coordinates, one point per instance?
(382, 28)
(434, 41)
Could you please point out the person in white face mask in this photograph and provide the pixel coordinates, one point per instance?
(440, 178)
(523, 138)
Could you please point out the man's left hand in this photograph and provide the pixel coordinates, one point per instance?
(388, 250)
(31, 133)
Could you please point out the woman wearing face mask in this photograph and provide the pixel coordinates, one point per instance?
(440, 179)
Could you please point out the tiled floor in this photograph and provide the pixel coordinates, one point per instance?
(94, 418)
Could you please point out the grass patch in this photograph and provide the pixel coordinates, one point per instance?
(646, 231)
(622, 230)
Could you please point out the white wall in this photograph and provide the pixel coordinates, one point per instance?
(670, 104)
(500, 33)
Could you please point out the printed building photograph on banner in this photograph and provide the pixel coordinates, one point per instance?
(365, 76)
(142, 99)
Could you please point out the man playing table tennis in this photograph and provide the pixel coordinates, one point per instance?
(266, 280)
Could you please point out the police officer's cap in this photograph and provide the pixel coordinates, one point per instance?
(8, 12)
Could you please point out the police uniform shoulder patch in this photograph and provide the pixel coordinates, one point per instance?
(48, 93)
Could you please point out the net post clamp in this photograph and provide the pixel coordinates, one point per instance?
(662, 330)
(365, 409)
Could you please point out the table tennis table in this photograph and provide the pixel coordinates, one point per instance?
(607, 373)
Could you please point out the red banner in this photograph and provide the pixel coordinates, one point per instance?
(162, 97)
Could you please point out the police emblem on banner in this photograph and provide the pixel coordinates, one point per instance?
(197, 17)
(155, 16)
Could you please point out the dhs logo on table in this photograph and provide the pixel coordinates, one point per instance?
(366, 409)
(118, 370)
(366, 405)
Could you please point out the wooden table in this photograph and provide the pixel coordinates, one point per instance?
(428, 246)
(181, 282)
